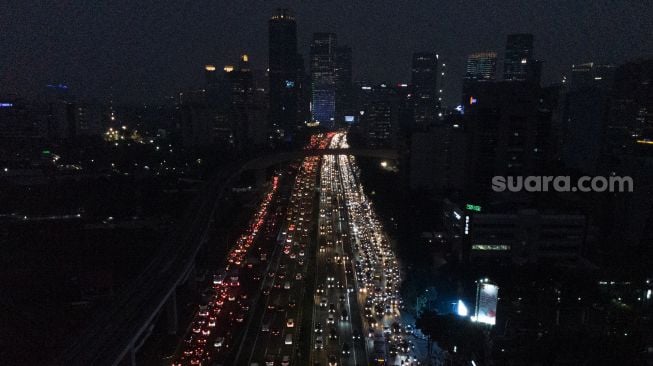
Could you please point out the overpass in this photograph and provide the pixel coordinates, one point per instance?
(116, 333)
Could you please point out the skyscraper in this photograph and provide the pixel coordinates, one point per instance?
(283, 70)
(481, 66)
(323, 81)
(344, 91)
(425, 87)
(518, 57)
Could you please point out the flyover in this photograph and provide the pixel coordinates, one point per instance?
(116, 333)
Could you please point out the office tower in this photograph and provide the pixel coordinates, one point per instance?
(344, 92)
(425, 88)
(379, 115)
(241, 86)
(627, 151)
(507, 132)
(481, 66)
(437, 156)
(584, 112)
(323, 80)
(591, 75)
(518, 57)
(283, 71)
(630, 113)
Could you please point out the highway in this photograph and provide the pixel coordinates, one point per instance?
(329, 295)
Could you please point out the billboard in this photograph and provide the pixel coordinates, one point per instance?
(486, 303)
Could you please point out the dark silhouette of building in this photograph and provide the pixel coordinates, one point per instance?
(518, 60)
(344, 85)
(379, 115)
(425, 88)
(584, 112)
(283, 71)
(508, 129)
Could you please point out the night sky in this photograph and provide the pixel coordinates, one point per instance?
(143, 50)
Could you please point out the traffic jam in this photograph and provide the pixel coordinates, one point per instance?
(213, 327)
(377, 273)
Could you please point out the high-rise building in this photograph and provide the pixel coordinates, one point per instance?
(379, 115)
(344, 91)
(323, 78)
(425, 88)
(507, 126)
(584, 112)
(628, 151)
(283, 71)
(481, 66)
(518, 57)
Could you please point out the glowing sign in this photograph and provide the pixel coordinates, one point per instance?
(228, 68)
(349, 119)
(472, 100)
(486, 303)
(6, 105)
(289, 84)
(245, 58)
(209, 68)
(461, 309)
(471, 207)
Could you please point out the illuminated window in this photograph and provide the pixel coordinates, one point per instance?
(493, 247)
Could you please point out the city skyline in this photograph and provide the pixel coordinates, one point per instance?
(390, 184)
(105, 52)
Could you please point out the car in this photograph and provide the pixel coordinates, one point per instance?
(318, 327)
(333, 334)
(333, 361)
(286, 285)
(356, 335)
(285, 361)
(319, 343)
(219, 342)
(346, 350)
(288, 340)
(330, 319)
(332, 308)
(290, 323)
(323, 302)
(344, 315)
(269, 360)
(298, 276)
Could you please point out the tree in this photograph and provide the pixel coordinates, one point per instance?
(450, 331)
